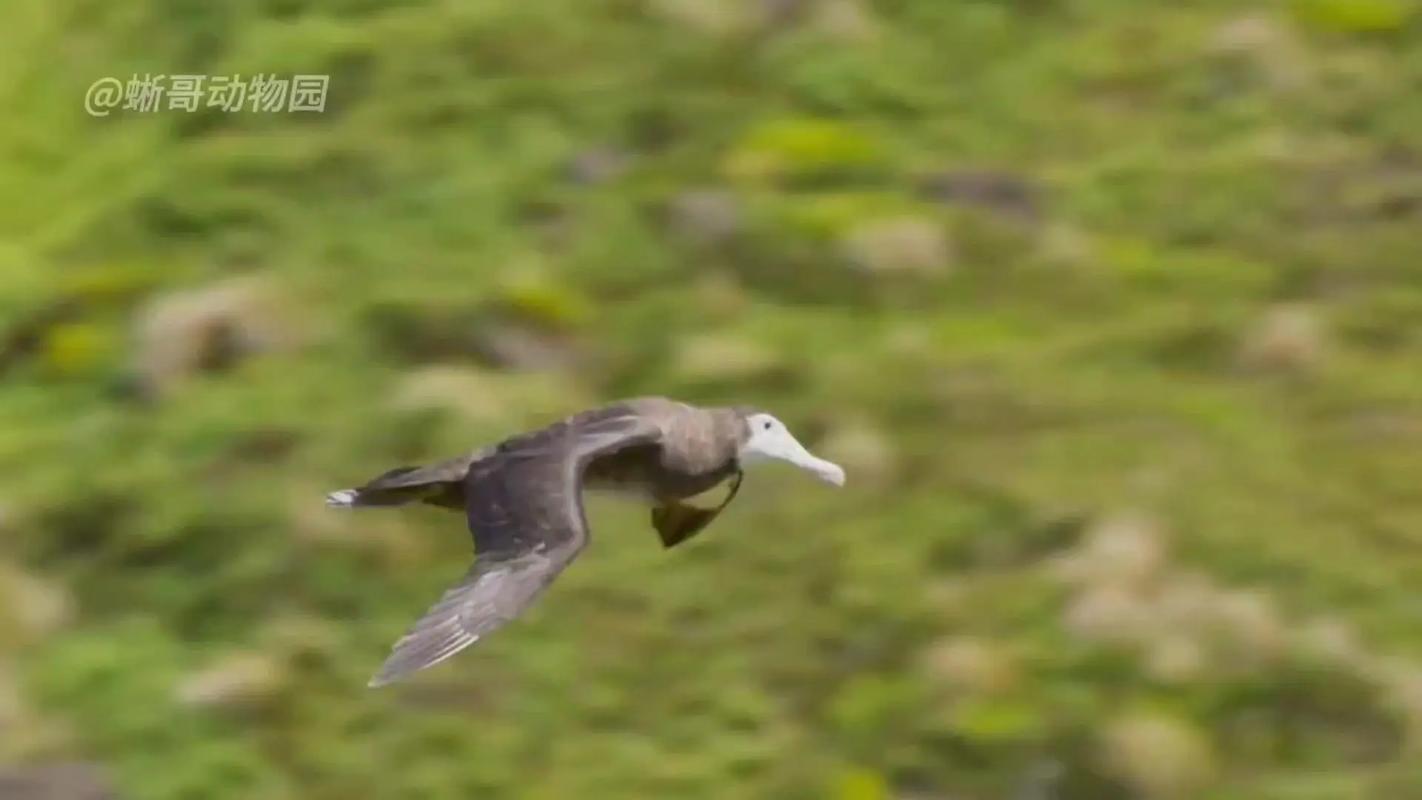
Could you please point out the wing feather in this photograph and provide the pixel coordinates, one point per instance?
(525, 510)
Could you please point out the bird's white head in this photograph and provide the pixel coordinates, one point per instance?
(768, 438)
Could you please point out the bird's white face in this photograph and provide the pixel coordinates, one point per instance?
(770, 439)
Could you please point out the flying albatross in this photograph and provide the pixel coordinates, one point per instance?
(523, 502)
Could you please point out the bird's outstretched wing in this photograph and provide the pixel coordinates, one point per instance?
(493, 592)
(525, 509)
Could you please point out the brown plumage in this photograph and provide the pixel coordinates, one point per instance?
(523, 502)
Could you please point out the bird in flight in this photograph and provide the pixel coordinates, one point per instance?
(523, 502)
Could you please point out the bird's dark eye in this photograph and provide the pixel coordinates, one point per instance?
(766, 425)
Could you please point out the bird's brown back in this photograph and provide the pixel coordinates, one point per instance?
(697, 451)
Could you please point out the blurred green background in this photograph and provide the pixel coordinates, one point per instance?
(1110, 308)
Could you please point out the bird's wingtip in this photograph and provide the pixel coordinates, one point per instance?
(345, 498)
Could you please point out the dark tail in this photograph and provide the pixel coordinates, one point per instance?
(390, 490)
